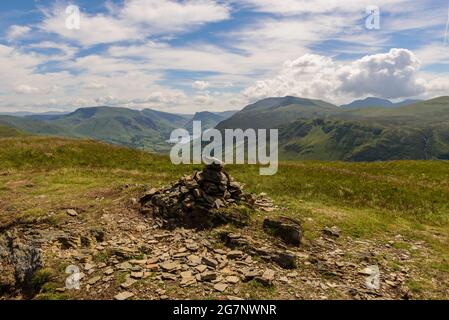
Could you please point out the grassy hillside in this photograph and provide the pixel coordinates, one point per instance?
(359, 141)
(310, 129)
(33, 126)
(6, 131)
(420, 114)
(273, 112)
(370, 202)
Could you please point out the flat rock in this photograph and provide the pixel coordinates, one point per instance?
(169, 276)
(208, 276)
(94, 280)
(209, 262)
(128, 283)
(72, 212)
(220, 286)
(201, 268)
(235, 254)
(108, 271)
(169, 266)
(137, 274)
(332, 231)
(124, 295)
(232, 279)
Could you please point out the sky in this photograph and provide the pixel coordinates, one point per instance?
(192, 55)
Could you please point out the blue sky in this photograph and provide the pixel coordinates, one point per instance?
(191, 55)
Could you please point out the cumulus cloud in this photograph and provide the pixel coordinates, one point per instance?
(201, 85)
(388, 75)
(135, 20)
(16, 32)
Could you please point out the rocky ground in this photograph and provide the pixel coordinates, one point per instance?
(151, 249)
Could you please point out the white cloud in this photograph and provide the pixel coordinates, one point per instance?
(135, 20)
(94, 29)
(94, 85)
(162, 16)
(201, 85)
(26, 89)
(389, 75)
(16, 32)
(294, 7)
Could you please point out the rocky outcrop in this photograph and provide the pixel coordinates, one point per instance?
(19, 259)
(287, 229)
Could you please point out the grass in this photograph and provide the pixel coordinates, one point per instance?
(376, 201)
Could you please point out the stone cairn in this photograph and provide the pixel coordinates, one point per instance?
(198, 200)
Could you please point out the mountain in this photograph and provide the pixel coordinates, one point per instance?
(376, 102)
(227, 114)
(369, 102)
(321, 139)
(422, 113)
(34, 126)
(32, 114)
(407, 102)
(272, 112)
(147, 129)
(208, 120)
(308, 131)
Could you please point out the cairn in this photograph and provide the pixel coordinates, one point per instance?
(198, 200)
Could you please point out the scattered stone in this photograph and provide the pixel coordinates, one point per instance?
(267, 278)
(128, 283)
(108, 271)
(192, 246)
(232, 279)
(72, 212)
(169, 276)
(169, 266)
(250, 275)
(209, 262)
(137, 275)
(94, 280)
(208, 276)
(194, 260)
(88, 266)
(186, 274)
(332, 232)
(201, 268)
(124, 295)
(235, 254)
(220, 286)
(124, 266)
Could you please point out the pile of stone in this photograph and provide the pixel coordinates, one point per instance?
(196, 200)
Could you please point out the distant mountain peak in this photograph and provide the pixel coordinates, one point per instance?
(368, 102)
(377, 102)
